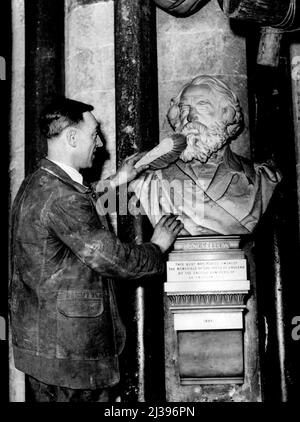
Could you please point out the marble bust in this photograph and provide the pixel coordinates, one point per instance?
(212, 189)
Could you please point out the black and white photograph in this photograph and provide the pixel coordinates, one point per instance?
(153, 215)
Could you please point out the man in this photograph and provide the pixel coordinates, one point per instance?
(214, 190)
(66, 330)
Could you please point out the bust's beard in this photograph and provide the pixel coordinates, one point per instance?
(202, 141)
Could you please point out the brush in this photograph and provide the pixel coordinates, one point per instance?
(165, 153)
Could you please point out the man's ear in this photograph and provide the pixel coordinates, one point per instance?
(71, 137)
(228, 114)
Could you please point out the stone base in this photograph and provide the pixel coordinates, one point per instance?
(205, 327)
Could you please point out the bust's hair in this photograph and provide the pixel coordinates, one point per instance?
(233, 116)
(61, 113)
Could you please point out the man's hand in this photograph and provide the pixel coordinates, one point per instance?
(127, 172)
(166, 231)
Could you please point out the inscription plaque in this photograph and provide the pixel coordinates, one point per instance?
(210, 357)
(208, 243)
(233, 269)
(208, 321)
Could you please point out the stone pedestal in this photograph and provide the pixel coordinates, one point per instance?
(205, 303)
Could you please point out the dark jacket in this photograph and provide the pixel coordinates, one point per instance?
(65, 324)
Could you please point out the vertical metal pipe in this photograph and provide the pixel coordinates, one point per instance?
(44, 53)
(295, 78)
(140, 315)
(280, 318)
(136, 127)
(269, 46)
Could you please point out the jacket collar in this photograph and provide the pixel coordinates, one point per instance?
(230, 162)
(223, 175)
(58, 172)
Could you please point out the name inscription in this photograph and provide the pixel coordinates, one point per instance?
(233, 269)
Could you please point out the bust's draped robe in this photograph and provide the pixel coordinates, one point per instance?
(224, 198)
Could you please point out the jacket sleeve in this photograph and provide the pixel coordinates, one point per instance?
(73, 220)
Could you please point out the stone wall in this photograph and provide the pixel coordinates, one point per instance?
(89, 61)
(200, 44)
(17, 123)
(203, 43)
(17, 154)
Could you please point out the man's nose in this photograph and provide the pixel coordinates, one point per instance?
(99, 143)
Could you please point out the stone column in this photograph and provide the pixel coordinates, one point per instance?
(39, 45)
(17, 121)
(137, 130)
(295, 77)
(17, 154)
(44, 41)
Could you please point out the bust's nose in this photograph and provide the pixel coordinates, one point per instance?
(192, 116)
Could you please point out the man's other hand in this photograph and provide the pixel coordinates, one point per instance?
(128, 172)
(166, 231)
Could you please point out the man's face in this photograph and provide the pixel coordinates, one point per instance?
(88, 140)
(199, 103)
(201, 112)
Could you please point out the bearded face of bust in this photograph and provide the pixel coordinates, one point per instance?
(206, 117)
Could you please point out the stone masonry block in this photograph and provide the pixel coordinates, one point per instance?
(91, 26)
